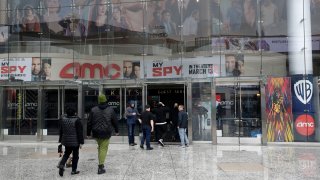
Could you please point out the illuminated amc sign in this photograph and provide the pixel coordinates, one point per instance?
(70, 70)
(305, 125)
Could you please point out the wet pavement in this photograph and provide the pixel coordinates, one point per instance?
(198, 161)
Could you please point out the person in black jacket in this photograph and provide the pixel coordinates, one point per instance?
(71, 136)
(100, 122)
(182, 126)
(161, 123)
(147, 127)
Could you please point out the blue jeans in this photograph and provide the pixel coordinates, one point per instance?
(183, 136)
(146, 130)
(131, 133)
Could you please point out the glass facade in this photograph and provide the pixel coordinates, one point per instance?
(243, 68)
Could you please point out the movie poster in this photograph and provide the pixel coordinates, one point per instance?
(15, 69)
(279, 110)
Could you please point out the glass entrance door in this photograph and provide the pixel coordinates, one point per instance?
(20, 112)
(169, 95)
(238, 116)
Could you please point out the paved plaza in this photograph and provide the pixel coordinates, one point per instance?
(198, 161)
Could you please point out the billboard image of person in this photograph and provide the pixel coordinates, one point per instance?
(46, 69)
(136, 70)
(249, 22)
(131, 69)
(36, 70)
(30, 20)
(99, 19)
(51, 19)
(234, 64)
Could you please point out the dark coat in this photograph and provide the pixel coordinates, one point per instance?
(183, 120)
(71, 131)
(101, 120)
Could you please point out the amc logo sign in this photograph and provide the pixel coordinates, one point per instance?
(304, 125)
(112, 71)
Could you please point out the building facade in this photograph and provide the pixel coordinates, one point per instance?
(246, 70)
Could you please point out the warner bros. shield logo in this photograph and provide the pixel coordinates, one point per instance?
(303, 90)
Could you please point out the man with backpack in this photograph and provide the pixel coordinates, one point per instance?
(101, 119)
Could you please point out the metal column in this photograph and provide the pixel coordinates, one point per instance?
(214, 113)
(263, 113)
(189, 110)
(40, 119)
(2, 112)
(81, 109)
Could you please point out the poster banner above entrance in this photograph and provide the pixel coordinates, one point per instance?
(15, 68)
(201, 67)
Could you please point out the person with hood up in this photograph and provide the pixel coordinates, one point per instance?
(101, 119)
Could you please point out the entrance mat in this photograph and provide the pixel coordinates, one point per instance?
(249, 167)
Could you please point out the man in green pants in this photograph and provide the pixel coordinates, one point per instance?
(100, 122)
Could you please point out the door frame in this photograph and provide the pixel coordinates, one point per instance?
(186, 83)
(240, 81)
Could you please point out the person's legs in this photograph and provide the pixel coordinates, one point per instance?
(64, 160)
(131, 133)
(181, 134)
(66, 155)
(161, 134)
(143, 136)
(163, 131)
(185, 136)
(75, 158)
(103, 145)
(148, 136)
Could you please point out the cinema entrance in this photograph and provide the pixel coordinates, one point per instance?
(169, 95)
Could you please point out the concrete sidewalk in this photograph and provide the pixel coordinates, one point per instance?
(199, 161)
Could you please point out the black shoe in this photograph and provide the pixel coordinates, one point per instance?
(141, 146)
(149, 148)
(61, 170)
(101, 169)
(134, 144)
(75, 172)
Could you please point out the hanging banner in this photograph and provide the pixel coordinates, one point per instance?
(279, 110)
(15, 68)
(201, 67)
(302, 107)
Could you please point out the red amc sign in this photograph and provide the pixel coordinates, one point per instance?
(305, 125)
(92, 69)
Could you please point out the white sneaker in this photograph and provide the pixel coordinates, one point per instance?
(161, 142)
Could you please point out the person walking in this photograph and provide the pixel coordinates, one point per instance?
(147, 127)
(174, 120)
(101, 119)
(161, 123)
(71, 136)
(131, 114)
(182, 126)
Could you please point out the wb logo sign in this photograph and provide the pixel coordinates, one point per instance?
(303, 90)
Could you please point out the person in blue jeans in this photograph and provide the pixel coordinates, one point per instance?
(147, 127)
(182, 126)
(131, 114)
